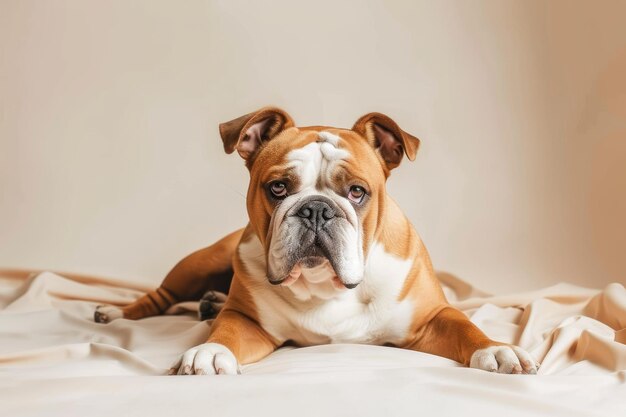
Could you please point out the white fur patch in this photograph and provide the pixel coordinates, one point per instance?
(329, 137)
(504, 360)
(106, 314)
(317, 160)
(206, 359)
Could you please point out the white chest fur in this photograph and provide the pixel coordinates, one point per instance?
(311, 311)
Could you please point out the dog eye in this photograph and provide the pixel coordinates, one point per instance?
(356, 194)
(278, 189)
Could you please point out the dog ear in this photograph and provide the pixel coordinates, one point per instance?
(247, 133)
(387, 138)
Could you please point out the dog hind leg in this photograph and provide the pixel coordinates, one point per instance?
(207, 269)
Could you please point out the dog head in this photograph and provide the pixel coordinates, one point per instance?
(316, 194)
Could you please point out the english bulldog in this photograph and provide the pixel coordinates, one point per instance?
(327, 256)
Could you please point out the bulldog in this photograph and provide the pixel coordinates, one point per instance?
(327, 256)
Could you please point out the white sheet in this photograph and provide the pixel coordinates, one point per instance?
(54, 360)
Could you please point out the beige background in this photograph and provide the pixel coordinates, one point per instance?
(110, 161)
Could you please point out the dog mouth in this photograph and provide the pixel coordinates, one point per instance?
(311, 262)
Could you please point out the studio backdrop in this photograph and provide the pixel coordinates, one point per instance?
(111, 162)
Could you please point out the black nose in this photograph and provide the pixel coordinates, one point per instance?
(316, 212)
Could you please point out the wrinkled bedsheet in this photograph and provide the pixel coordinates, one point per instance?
(54, 360)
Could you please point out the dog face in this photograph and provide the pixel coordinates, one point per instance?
(316, 194)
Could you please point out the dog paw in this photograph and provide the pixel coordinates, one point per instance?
(105, 314)
(206, 359)
(210, 304)
(504, 360)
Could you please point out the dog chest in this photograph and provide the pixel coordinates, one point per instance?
(312, 311)
(346, 319)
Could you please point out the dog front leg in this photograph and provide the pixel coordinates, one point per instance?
(452, 335)
(234, 339)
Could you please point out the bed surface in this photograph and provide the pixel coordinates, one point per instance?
(54, 360)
